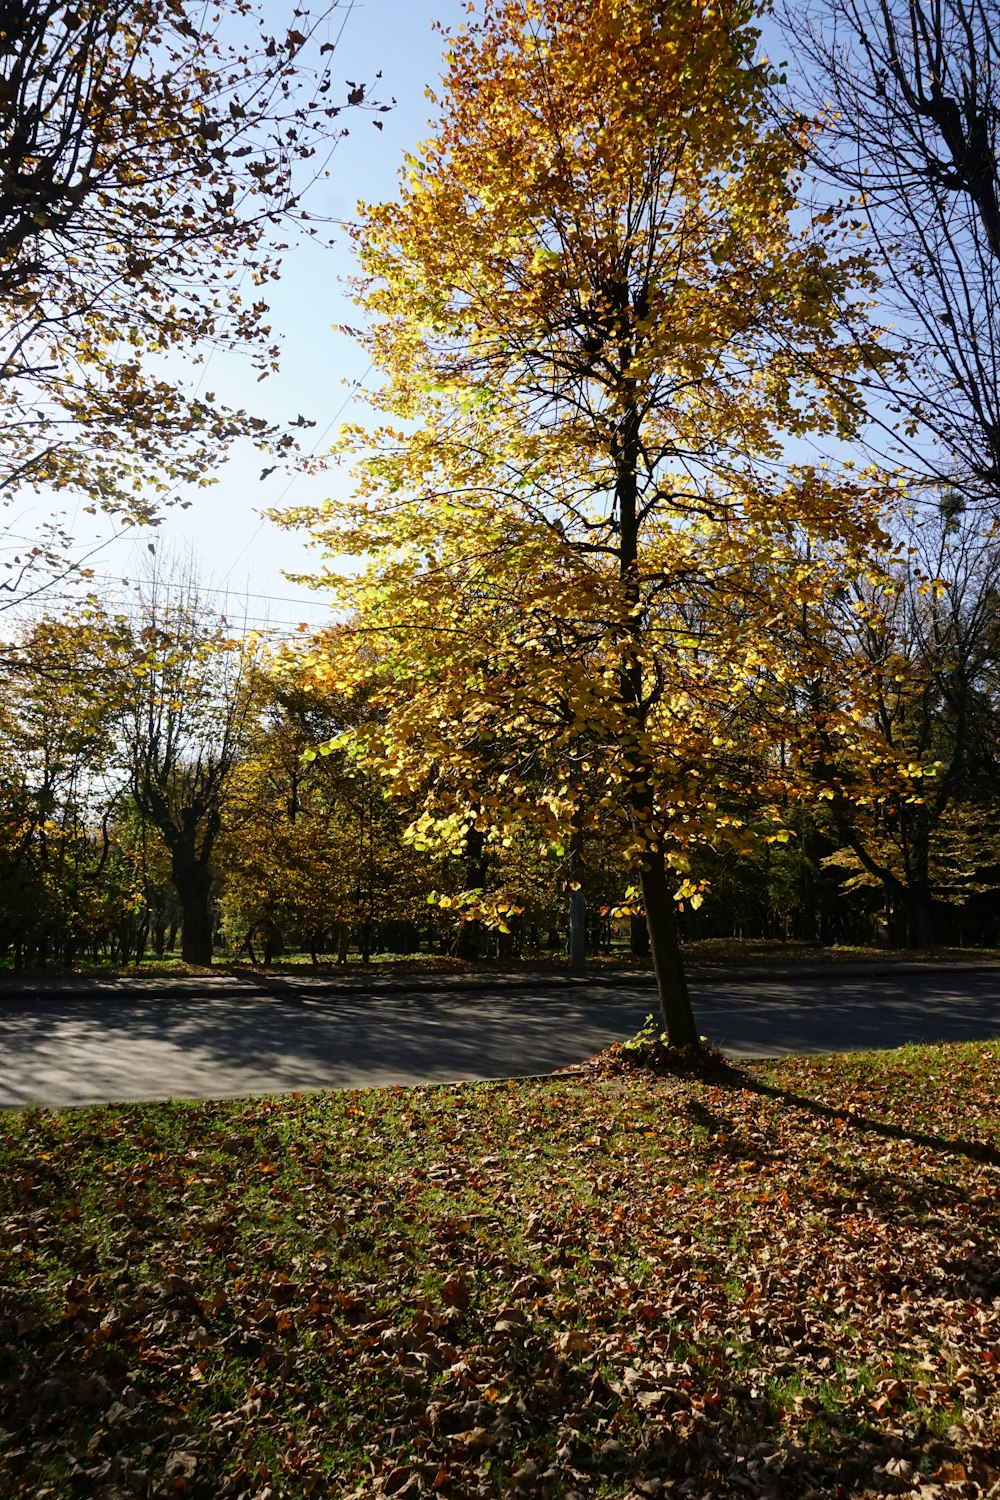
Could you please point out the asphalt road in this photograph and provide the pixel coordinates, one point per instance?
(233, 1036)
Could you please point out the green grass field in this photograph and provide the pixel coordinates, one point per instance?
(783, 1281)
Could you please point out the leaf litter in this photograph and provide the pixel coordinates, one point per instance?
(632, 1280)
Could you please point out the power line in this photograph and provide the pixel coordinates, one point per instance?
(355, 387)
(263, 625)
(226, 592)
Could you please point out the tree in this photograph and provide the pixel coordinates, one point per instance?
(911, 795)
(911, 95)
(186, 715)
(152, 150)
(597, 315)
(56, 788)
(310, 843)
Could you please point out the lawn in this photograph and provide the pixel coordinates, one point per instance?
(781, 1281)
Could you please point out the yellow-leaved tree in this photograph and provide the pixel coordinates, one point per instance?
(600, 315)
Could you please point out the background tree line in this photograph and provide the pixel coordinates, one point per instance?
(161, 792)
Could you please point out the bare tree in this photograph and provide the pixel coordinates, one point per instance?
(185, 720)
(912, 90)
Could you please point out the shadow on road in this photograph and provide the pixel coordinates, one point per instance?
(75, 1051)
(274, 1034)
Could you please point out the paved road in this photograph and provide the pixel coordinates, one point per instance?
(231, 1036)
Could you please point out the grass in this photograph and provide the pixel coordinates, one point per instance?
(768, 951)
(701, 953)
(775, 1282)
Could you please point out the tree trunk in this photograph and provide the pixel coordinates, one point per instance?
(638, 936)
(577, 907)
(919, 917)
(467, 943)
(671, 984)
(193, 884)
(661, 919)
(577, 932)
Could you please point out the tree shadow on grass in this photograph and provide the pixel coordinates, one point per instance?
(735, 1077)
(969, 1269)
(131, 1422)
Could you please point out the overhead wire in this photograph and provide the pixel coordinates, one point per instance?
(355, 387)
